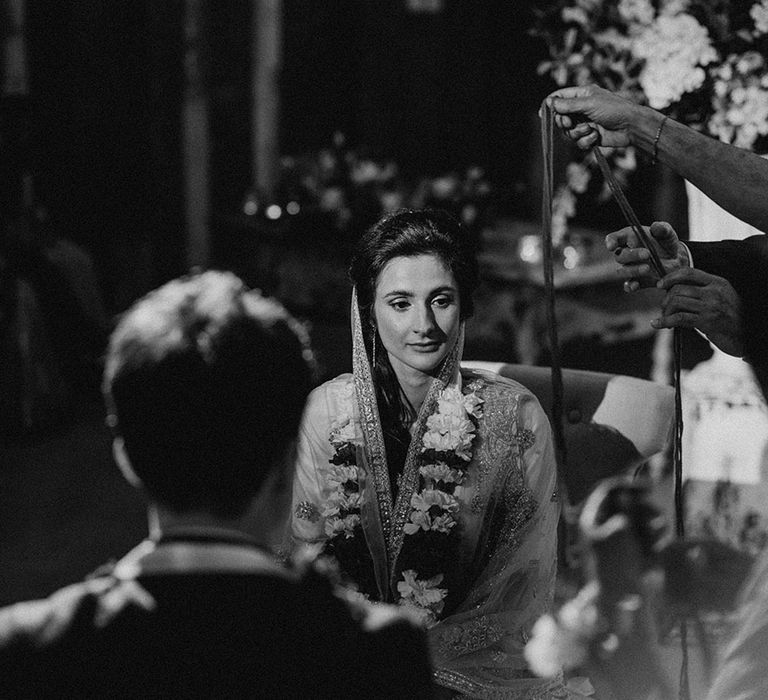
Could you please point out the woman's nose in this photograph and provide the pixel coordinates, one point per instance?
(425, 321)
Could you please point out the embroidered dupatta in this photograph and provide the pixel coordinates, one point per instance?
(507, 520)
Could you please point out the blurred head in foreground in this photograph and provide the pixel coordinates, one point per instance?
(205, 382)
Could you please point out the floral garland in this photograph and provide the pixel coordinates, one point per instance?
(431, 533)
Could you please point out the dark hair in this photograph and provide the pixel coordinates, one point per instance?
(207, 382)
(408, 233)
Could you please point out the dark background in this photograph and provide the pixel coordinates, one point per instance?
(100, 131)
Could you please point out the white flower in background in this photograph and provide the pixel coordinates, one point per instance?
(759, 14)
(748, 63)
(613, 39)
(577, 175)
(577, 15)
(636, 11)
(564, 643)
(563, 208)
(365, 171)
(445, 187)
(740, 100)
(626, 160)
(332, 199)
(673, 7)
(551, 649)
(674, 49)
(580, 614)
(391, 200)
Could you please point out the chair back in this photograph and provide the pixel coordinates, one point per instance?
(612, 422)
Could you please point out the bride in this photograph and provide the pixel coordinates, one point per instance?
(432, 486)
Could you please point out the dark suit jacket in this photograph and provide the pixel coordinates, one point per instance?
(744, 263)
(208, 635)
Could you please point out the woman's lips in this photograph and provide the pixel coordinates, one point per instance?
(425, 347)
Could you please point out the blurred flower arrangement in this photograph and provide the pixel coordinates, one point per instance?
(354, 190)
(702, 62)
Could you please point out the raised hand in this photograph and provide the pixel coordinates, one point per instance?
(635, 262)
(696, 299)
(593, 116)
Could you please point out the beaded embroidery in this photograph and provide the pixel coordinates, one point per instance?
(306, 510)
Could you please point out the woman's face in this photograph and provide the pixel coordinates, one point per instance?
(417, 312)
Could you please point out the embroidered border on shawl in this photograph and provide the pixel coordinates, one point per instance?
(544, 689)
(306, 510)
(526, 439)
(480, 633)
(369, 419)
(500, 418)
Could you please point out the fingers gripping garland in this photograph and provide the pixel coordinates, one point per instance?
(547, 147)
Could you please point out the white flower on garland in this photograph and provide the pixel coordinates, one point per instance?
(423, 595)
(344, 429)
(440, 472)
(449, 433)
(432, 509)
(674, 49)
(341, 500)
(346, 525)
(339, 474)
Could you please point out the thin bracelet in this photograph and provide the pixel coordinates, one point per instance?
(656, 140)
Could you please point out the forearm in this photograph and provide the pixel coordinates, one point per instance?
(734, 178)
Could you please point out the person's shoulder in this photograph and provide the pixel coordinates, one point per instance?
(339, 388)
(41, 622)
(495, 386)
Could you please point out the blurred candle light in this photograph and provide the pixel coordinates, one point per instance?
(273, 212)
(570, 257)
(529, 249)
(292, 208)
(250, 206)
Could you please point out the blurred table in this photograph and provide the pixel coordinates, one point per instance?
(590, 303)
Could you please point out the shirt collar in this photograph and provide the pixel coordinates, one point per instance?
(191, 550)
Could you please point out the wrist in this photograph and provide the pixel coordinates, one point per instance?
(644, 127)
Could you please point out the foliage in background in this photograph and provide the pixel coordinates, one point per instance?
(702, 62)
(355, 189)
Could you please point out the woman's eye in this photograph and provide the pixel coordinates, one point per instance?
(399, 305)
(442, 302)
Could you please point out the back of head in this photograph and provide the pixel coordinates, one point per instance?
(206, 382)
